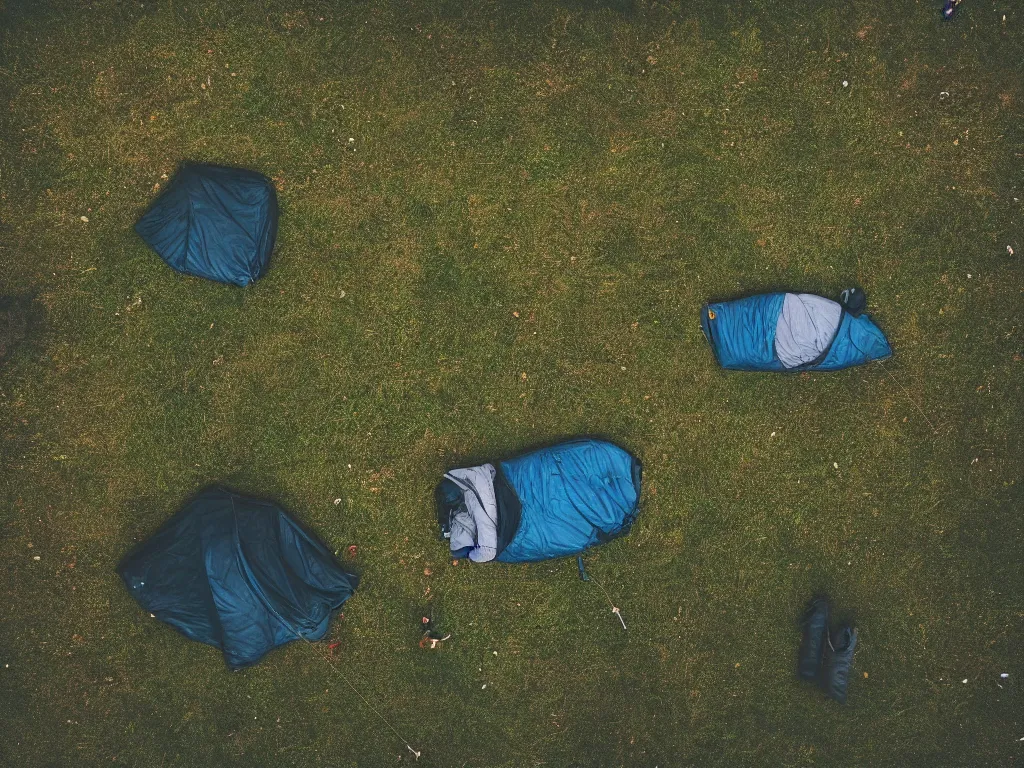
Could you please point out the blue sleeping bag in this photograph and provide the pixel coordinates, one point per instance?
(790, 332)
(548, 503)
(239, 574)
(214, 222)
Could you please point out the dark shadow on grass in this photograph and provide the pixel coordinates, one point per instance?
(20, 316)
(624, 7)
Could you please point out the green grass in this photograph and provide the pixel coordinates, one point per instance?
(601, 169)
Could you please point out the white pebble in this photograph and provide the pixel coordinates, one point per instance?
(483, 686)
(36, 557)
(337, 502)
(1005, 675)
(964, 681)
(845, 83)
(835, 464)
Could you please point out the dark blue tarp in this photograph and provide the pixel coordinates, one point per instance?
(568, 497)
(742, 334)
(239, 574)
(214, 222)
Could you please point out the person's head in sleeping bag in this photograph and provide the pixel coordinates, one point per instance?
(793, 332)
(548, 503)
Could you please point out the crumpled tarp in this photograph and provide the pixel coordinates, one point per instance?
(237, 573)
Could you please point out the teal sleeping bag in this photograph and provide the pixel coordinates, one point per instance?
(791, 332)
(552, 502)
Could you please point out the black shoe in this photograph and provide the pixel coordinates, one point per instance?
(815, 638)
(839, 661)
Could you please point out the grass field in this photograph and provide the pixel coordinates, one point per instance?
(499, 222)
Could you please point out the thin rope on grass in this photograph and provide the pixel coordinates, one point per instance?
(608, 597)
(911, 399)
(365, 701)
